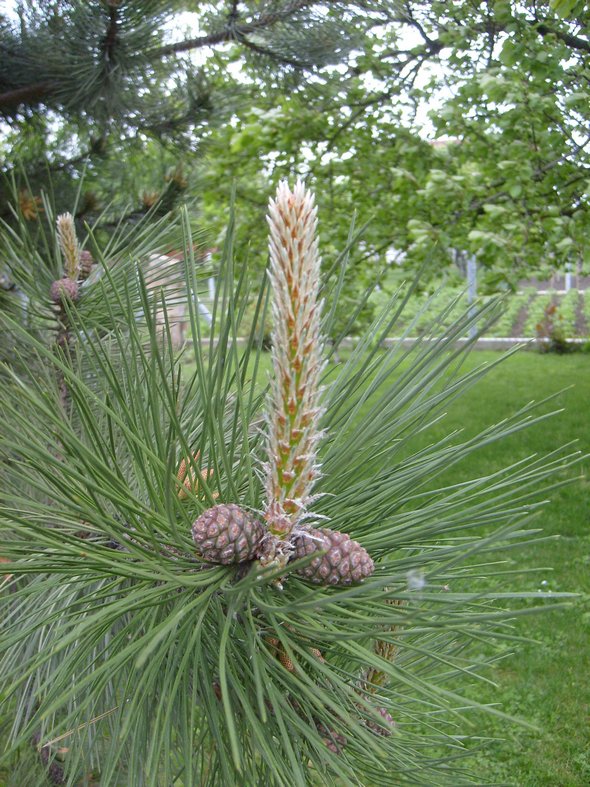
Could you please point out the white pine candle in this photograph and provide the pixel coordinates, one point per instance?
(68, 242)
(294, 409)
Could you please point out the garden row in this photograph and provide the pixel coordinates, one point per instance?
(527, 314)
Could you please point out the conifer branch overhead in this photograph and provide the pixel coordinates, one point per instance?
(235, 31)
(123, 46)
(27, 94)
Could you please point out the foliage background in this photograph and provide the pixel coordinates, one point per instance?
(463, 126)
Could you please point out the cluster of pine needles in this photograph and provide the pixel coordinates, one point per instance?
(127, 659)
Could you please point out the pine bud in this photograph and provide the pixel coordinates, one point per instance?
(190, 481)
(66, 233)
(64, 290)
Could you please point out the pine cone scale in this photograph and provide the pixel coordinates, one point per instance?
(227, 534)
(341, 561)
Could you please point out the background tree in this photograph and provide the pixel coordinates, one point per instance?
(461, 127)
(444, 129)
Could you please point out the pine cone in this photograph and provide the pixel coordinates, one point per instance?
(227, 534)
(65, 289)
(332, 740)
(386, 728)
(86, 263)
(55, 771)
(344, 561)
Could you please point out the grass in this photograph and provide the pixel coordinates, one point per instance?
(547, 681)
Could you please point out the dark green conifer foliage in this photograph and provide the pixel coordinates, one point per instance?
(105, 76)
(151, 667)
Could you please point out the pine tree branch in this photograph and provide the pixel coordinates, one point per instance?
(261, 50)
(111, 37)
(234, 31)
(40, 91)
(27, 94)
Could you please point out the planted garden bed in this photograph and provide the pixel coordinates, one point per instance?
(526, 313)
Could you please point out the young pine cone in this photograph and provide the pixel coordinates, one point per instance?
(343, 561)
(385, 728)
(332, 740)
(227, 534)
(63, 290)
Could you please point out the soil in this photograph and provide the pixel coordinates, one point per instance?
(556, 282)
(518, 324)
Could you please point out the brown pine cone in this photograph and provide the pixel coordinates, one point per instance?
(344, 561)
(63, 290)
(227, 534)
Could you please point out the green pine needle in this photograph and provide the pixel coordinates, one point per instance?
(152, 667)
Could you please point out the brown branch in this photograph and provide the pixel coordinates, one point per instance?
(234, 31)
(362, 106)
(111, 37)
(575, 42)
(194, 43)
(29, 93)
(261, 50)
(422, 53)
(409, 19)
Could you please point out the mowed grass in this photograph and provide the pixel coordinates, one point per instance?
(547, 682)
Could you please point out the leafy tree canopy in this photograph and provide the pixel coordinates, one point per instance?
(459, 127)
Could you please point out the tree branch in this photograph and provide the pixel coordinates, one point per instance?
(260, 50)
(231, 32)
(234, 31)
(111, 37)
(28, 94)
(431, 49)
(575, 42)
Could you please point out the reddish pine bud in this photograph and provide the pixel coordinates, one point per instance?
(64, 290)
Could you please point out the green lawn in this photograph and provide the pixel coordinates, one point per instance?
(547, 681)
